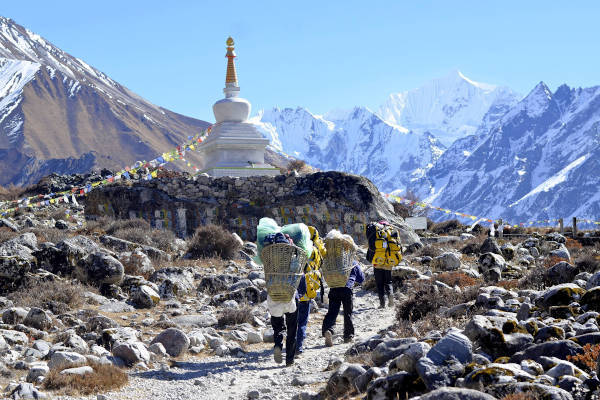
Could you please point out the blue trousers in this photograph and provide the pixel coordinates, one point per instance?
(303, 312)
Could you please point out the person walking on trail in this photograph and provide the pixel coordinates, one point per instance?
(384, 253)
(342, 296)
(284, 320)
(312, 282)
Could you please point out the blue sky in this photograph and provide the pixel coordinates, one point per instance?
(319, 54)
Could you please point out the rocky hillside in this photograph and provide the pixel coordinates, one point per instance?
(359, 142)
(59, 114)
(119, 307)
(536, 162)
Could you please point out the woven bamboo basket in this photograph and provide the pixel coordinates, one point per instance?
(283, 265)
(338, 262)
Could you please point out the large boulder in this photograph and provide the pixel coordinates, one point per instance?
(562, 272)
(491, 266)
(144, 297)
(559, 348)
(560, 295)
(453, 344)
(38, 319)
(66, 359)
(489, 245)
(175, 341)
(446, 262)
(131, 353)
(452, 393)
(436, 376)
(99, 268)
(173, 281)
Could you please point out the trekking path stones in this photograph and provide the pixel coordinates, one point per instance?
(255, 375)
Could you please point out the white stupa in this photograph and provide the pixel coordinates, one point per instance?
(234, 146)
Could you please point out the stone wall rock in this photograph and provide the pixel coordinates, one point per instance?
(326, 200)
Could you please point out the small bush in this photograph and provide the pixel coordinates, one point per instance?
(213, 241)
(535, 279)
(427, 298)
(104, 378)
(459, 279)
(588, 359)
(298, 165)
(429, 251)
(163, 239)
(230, 316)
(432, 321)
(588, 263)
(134, 223)
(552, 261)
(58, 295)
(447, 227)
(573, 244)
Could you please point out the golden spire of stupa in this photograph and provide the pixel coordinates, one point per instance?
(231, 75)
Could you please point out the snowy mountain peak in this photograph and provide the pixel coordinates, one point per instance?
(450, 107)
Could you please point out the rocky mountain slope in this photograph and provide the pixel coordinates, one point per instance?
(358, 141)
(59, 114)
(398, 144)
(538, 161)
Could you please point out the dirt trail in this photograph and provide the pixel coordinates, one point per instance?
(234, 377)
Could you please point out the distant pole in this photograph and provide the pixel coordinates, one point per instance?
(500, 229)
(574, 227)
(562, 226)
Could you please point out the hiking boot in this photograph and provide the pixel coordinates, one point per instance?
(277, 354)
(328, 339)
(298, 353)
(289, 363)
(348, 339)
(390, 300)
(381, 304)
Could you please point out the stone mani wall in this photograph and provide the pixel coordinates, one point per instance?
(326, 200)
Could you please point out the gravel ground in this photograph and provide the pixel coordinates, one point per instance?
(233, 378)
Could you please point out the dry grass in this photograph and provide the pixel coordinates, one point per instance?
(427, 298)
(7, 234)
(230, 316)
(213, 241)
(58, 295)
(431, 321)
(363, 359)
(53, 235)
(521, 396)
(588, 262)
(509, 284)
(103, 379)
(431, 250)
(573, 245)
(552, 261)
(448, 227)
(455, 278)
(11, 192)
(535, 279)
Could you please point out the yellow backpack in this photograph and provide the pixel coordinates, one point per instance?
(385, 250)
(312, 275)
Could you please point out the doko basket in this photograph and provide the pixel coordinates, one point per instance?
(338, 262)
(283, 265)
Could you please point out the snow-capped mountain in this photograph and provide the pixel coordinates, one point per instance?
(356, 141)
(540, 160)
(450, 108)
(59, 114)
